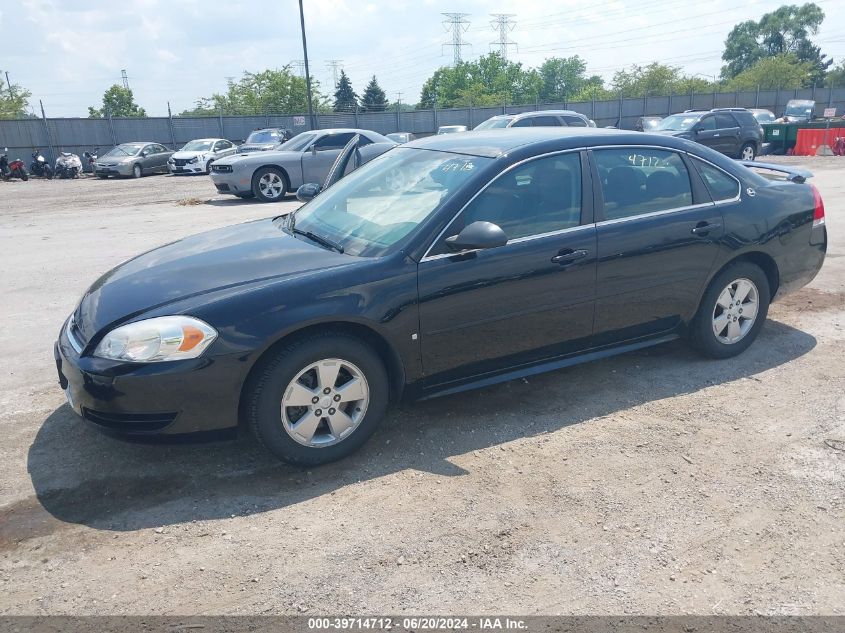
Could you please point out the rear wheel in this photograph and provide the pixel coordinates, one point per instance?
(137, 172)
(748, 151)
(318, 400)
(269, 184)
(732, 311)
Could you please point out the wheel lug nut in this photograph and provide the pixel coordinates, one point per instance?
(315, 400)
(331, 411)
(336, 397)
(318, 412)
(326, 390)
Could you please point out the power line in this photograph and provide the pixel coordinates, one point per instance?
(333, 64)
(299, 65)
(458, 24)
(503, 24)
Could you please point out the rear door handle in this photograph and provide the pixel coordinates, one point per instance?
(568, 256)
(704, 229)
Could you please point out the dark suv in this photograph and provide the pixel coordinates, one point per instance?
(731, 131)
(265, 139)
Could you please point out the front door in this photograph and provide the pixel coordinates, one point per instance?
(522, 302)
(708, 134)
(318, 159)
(657, 242)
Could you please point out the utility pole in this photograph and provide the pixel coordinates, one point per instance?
(503, 24)
(125, 78)
(9, 83)
(458, 24)
(333, 64)
(311, 118)
(398, 111)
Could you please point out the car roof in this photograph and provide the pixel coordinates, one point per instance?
(495, 143)
(533, 113)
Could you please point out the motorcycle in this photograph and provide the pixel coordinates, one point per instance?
(68, 165)
(91, 158)
(39, 166)
(12, 169)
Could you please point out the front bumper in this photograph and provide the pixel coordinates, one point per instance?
(232, 182)
(138, 399)
(121, 169)
(188, 168)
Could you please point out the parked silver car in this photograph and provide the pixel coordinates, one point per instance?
(196, 156)
(133, 159)
(539, 118)
(306, 158)
(401, 137)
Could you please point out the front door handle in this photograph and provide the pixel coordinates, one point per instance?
(705, 228)
(568, 256)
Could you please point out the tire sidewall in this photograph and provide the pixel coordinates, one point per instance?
(702, 336)
(137, 171)
(256, 190)
(753, 149)
(272, 380)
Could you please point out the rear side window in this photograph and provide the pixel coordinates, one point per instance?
(523, 123)
(720, 185)
(639, 180)
(746, 119)
(574, 121)
(541, 196)
(545, 121)
(725, 121)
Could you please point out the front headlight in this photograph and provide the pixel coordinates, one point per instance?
(194, 159)
(158, 339)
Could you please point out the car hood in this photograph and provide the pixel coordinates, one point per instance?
(256, 147)
(259, 158)
(189, 154)
(224, 258)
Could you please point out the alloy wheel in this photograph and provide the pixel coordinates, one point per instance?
(271, 185)
(735, 311)
(748, 153)
(325, 403)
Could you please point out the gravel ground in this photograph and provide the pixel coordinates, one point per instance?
(655, 482)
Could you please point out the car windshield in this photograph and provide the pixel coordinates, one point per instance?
(380, 203)
(298, 142)
(798, 109)
(496, 122)
(264, 136)
(651, 123)
(197, 146)
(126, 149)
(678, 122)
(764, 117)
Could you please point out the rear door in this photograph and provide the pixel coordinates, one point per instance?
(658, 237)
(729, 130)
(321, 155)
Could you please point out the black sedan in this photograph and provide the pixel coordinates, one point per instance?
(449, 263)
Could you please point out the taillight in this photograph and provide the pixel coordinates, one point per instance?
(818, 211)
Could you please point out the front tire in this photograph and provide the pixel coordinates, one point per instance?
(269, 184)
(318, 399)
(732, 311)
(137, 172)
(748, 151)
(103, 176)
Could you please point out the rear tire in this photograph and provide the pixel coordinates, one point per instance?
(296, 405)
(270, 184)
(748, 151)
(722, 327)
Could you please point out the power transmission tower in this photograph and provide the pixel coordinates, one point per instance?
(334, 64)
(458, 24)
(299, 65)
(125, 78)
(503, 24)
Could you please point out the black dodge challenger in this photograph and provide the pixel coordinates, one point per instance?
(445, 264)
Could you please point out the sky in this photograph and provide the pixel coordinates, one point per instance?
(68, 52)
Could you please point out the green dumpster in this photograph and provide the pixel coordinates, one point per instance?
(782, 136)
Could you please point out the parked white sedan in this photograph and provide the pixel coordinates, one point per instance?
(196, 156)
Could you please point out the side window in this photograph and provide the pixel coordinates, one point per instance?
(538, 197)
(708, 123)
(574, 121)
(151, 149)
(724, 121)
(545, 121)
(333, 141)
(219, 145)
(364, 140)
(638, 180)
(720, 185)
(526, 122)
(159, 149)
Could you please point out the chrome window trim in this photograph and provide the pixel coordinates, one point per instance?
(428, 257)
(652, 214)
(74, 343)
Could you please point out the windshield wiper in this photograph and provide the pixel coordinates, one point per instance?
(319, 239)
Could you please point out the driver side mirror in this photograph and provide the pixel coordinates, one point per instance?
(307, 192)
(478, 235)
(313, 150)
(144, 154)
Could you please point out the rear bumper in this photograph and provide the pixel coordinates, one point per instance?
(150, 399)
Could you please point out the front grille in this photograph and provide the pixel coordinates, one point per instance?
(221, 168)
(180, 162)
(129, 422)
(222, 187)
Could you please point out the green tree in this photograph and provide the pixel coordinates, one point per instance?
(783, 31)
(835, 77)
(345, 99)
(374, 99)
(14, 101)
(564, 77)
(640, 81)
(769, 73)
(269, 91)
(117, 101)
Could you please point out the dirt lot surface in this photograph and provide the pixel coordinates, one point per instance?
(656, 482)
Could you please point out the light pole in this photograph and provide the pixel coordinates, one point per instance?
(311, 118)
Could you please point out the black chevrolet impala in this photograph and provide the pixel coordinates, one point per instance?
(445, 264)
